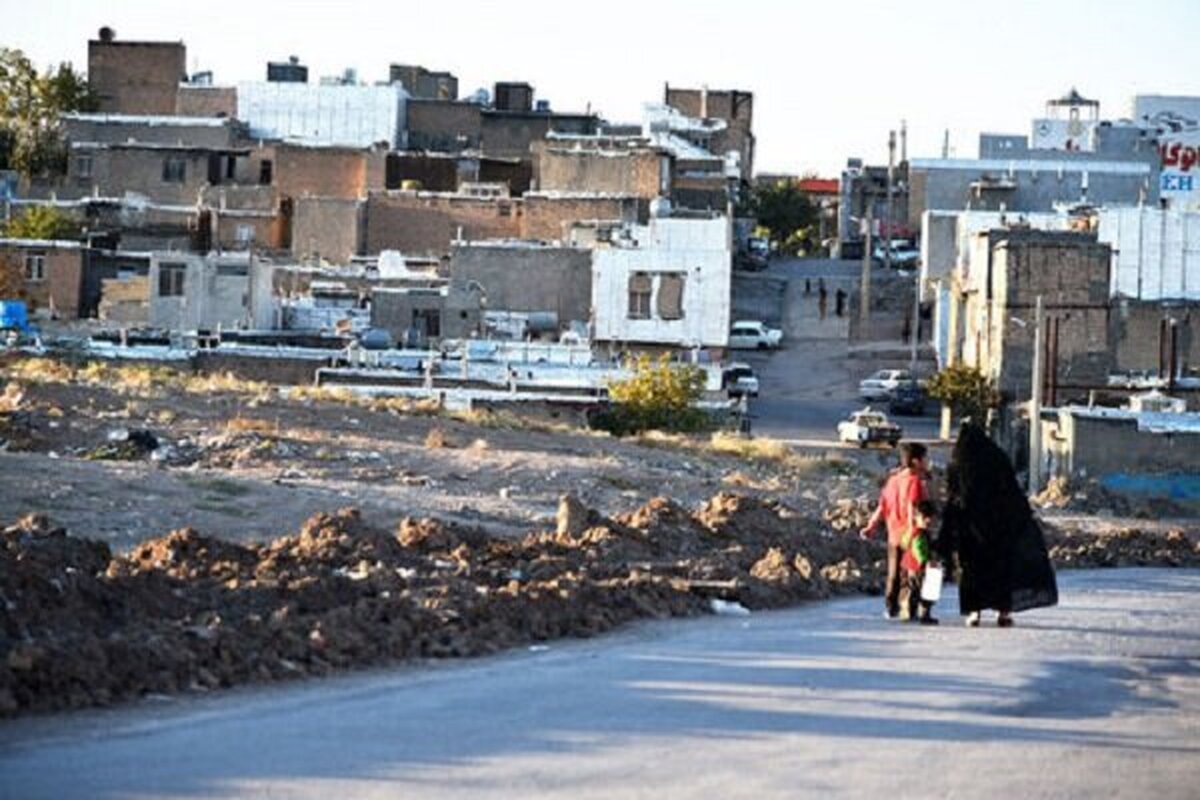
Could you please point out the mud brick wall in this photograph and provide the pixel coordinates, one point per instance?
(136, 77)
(419, 223)
(638, 172)
(326, 228)
(347, 173)
(207, 101)
(1136, 326)
(1069, 271)
(443, 125)
(549, 217)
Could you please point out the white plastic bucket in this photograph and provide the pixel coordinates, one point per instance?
(931, 587)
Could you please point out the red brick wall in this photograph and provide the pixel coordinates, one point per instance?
(344, 173)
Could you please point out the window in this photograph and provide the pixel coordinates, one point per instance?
(174, 169)
(35, 266)
(670, 296)
(170, 279)
(266, 171)
(244, 234)
(640, 288)
(83, 167)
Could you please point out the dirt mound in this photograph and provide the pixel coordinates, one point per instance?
(1130, 547)
(188, 612)
(185, 554)
(1091, 497)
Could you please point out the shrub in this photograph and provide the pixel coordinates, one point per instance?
(658, 396)
(967, 391)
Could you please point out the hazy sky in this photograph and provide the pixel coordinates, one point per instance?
(829, 79)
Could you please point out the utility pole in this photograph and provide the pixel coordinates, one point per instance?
(1035, 405)
(864, 285)
(891, 176)
(951, 354)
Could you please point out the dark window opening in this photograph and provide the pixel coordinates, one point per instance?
(265, 172)
(170, 280)
(174, 169)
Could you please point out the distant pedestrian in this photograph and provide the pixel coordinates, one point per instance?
(822, 299)
(808, 285)
(840, 302)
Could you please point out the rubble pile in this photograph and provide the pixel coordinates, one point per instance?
(849, 513)
(1129, 547)
(1091, 497)
(187, 612)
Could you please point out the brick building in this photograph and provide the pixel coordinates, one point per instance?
(734, 107)
(135, 77)
(583, 165)
(202, 100)
(423, 83)
(1070, 272)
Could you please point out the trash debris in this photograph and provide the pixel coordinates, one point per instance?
(728, 608)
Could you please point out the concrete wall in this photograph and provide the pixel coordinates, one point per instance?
(1036, 185)
(225, 291)
(1096, 446)
(327, 228)
(136, 77)
(456, 307)
(528, 277)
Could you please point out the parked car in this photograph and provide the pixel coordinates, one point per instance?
(867, 427)
(753, 335)
(904, 254)
(879, 384)
(739, 379)
(907, 398)
(755, 256)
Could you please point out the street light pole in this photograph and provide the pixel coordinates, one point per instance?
(891, 176)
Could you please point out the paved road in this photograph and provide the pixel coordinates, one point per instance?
(1099, 697)
(811, 384)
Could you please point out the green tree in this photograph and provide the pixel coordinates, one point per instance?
(658, 396)
(42, 222)
(967, 391)
(787, 214)
(30, 106)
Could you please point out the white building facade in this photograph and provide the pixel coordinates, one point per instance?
(323, 114)
(665, 283)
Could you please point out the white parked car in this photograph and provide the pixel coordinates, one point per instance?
(904, 254)
(880, 385)
(867, 426)
(739, 379)
(753, 335)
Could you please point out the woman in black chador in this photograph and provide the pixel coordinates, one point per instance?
(1002, 558)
